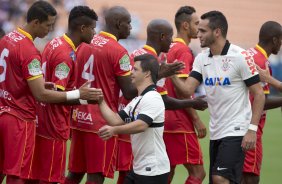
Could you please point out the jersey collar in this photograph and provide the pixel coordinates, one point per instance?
(25, 33)
(179, 40)
(69, 41)
(108, 35)
(150, 49)
(147, 89)
(224, 50)
(259, 48)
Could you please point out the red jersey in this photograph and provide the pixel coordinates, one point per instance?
(58, 60)
(19, 62)
(102, 61)
(179, 120)
(261, 59)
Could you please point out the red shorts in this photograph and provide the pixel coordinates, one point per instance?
(183, 148)
(49, 161)
(90, 154)
(124, 156)
(253, 159)
(17, 139)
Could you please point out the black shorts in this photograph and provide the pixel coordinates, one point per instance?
(133, 178)
(227, 158)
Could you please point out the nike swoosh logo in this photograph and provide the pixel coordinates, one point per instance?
(221, 168)
(207, 64)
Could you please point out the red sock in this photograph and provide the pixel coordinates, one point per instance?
(121, 177)
(193, 180)
(14, 180)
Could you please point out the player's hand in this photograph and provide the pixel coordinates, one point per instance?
(50, 86)
(200, 128)
(169, 69)
(249, 140)
(200, 103)
(106, 132)
(264, 75)
(87, 93)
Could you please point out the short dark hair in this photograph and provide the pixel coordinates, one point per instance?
(150, 63)
(268, 31)
(216, 20)
(183, 14)
(40, 10)
(81, 15)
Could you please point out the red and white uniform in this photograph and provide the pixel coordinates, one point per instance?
(253, 158)
(53, 120)
(180, 138)
(102, 62)
(19, 63)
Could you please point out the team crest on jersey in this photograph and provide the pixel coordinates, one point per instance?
(225, 64)
(124, 63)
(62, 71)
(34, 68)
(72, 55)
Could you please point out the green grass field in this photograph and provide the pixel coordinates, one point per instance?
(272, 160)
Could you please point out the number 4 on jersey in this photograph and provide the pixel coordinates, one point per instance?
(87, 72)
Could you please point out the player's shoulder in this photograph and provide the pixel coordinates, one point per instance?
(101, 41)
(204, 53)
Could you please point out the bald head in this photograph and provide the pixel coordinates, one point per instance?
(118, 22)
(271, 34)
(158, 26)
(159, 34)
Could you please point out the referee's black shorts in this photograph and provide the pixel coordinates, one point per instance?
(227, 158)
(133, 178)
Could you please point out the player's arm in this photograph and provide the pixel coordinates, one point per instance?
(169, 69)
(135, 127)
(110, 116)
(272, 102)
(266, 77)
(249, 139)
(128, 89)
(49, 96)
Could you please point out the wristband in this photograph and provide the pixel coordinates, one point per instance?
(253, 127)
(73, 95)
(83, 102)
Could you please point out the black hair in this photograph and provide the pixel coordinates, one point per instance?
(268, 31)
(81, 15)
(40, 10)
(183, 14)
(216, 20)
(149, 63)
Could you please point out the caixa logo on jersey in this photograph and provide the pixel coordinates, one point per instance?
(217, 81)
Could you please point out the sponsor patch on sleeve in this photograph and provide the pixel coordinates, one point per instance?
(62, 71)
(34, 68)
(124, 63)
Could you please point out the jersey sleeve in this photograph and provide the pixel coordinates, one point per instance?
(197, 72)
(62, 70)
(187, 58)
(151, 107)
(31, 68)
(161, 87)
(247, 69)
(122, 65)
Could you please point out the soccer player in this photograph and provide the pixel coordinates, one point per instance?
(228, 73)
(270, 37)
(107, 63)
(21, 83)
(159, 37)
(180, 137)
(143, 118)
(52, 132)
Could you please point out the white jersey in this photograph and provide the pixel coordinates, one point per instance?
(226, 78)
(149, 152)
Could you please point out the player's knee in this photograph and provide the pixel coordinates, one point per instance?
(74, 178)
(197, 171)
(249, 178)
(219, 180)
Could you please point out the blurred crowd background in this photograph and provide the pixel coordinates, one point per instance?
(244, 17)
